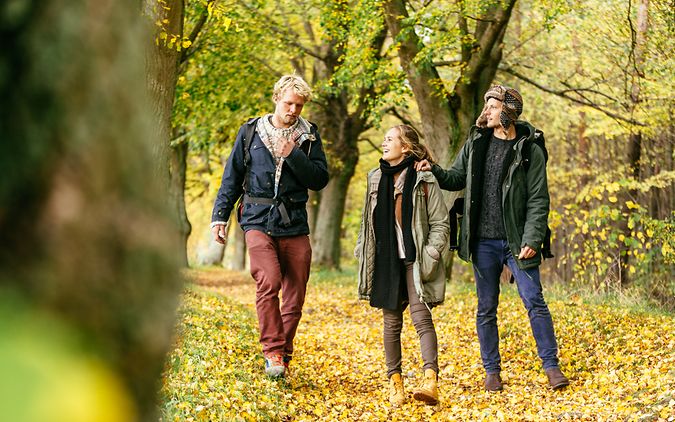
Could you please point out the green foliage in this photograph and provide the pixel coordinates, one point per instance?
(595, 219)
(213, 94)
(362, 66)
(586, 54)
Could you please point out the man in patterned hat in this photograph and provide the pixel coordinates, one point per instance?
(274, 161)
(506, 208)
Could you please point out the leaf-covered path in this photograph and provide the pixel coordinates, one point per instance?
(621, 364)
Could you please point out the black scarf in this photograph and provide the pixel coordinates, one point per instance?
(389, 287)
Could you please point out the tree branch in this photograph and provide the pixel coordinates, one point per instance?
(589, 90)
(376, 44)
(525, 41)
(487, 38)
(274, 71)
(565, 94)
(289, 36)
(188, 52)
(375, 147)
(441, 63)
(406, 121)
(464, 32)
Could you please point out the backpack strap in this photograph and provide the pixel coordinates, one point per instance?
(455, 212)
(527, 151)
(527, 154)
(248, 139)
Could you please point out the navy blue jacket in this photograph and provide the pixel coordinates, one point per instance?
(304, 168)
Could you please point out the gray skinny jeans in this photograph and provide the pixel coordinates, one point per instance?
(424, 325)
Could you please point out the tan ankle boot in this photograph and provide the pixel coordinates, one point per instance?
(396, 392)
(428, 392)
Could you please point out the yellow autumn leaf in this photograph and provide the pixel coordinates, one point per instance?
(226, 23)
(632, 205)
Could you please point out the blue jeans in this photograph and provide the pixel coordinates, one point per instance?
(489, 258)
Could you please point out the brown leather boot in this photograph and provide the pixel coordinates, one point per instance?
(396, 392)
(556, 379)
(493, 382)
(428, 391)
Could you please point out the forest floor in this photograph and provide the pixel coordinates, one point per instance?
(621, 363)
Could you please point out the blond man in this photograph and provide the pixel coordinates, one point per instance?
(276, 158)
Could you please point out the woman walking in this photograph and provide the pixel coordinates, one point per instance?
(404, 231)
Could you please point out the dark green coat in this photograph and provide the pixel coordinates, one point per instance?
(525, 199)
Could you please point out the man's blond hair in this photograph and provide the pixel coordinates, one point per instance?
(299, 86)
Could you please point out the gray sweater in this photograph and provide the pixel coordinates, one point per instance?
(491, 223)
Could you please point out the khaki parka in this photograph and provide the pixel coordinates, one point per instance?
(525, 198)
(431, 231)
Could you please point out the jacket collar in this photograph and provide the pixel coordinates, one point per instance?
(523, 130)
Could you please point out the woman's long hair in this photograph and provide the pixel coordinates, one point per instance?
(411, 140)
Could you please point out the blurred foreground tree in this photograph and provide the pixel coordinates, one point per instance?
(88, 242)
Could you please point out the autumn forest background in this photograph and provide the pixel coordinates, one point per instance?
(117, 119)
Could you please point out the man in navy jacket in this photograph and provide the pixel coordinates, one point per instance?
(275, 160)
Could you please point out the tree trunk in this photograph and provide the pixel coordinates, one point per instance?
(341, 116)
(340, 128)
(326, 250)
(88, 246)
(162, 75)
(341, 134)
(210, 252)
(447, 118)
(426, 85)
(313, 209)
(178, 169)
(635, 138)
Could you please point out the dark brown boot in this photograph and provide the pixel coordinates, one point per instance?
(493, 382)
(556, 379)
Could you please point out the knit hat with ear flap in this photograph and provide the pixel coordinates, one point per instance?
(511, 108)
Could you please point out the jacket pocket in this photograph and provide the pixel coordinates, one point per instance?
(254, 214)
(529, 262)
(295, 205)
(430, 260)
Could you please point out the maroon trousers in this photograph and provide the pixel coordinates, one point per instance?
(279, 264)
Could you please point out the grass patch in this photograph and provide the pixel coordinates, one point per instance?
(215, 369)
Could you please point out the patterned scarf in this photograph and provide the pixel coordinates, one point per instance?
(270, 136)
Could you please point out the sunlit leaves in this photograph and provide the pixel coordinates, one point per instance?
(620, 363)
(595, 217)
